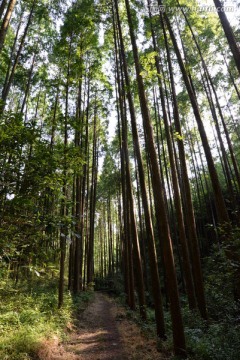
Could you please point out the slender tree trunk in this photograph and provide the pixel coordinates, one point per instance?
(78, 199)
(178, 331)
(90, 258)
(132, 217)
(110, 237)
(127, 251)
(219, 200)
(63, 209)
(209, 79)
(190, 218)
(11, 76)
(2, 7)
(149, 228)
(220, 139)
(228, 32)
(12, 53)
(231, 77)
(28, 84)
(6, 20)
(53, 126)
(86, 222)
(177, 197)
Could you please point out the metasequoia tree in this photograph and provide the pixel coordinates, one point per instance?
(6, 20)
(8, 84)
(212, 86)
(2, 8)
(64, 209)
(130, 200)
(228, 32)
(148, 221)
(164, 231)
(176, 189)
(190, 219)
(219, 200)
(223, 216)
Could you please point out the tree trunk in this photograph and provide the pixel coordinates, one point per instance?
(28, 85)
(10, 80)
(63, 209)
(209, 79)
(219, 200)
(6, 20)
(149, 228)
(90, 258)
(228, 32)
(176, 190)
(177, 323)
(2, 7)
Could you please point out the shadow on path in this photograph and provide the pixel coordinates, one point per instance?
(97, 337)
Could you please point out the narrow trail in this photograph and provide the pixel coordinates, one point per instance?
(105, 333)
(98, 336)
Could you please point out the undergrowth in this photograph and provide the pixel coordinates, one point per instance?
(215, 339)
(29, 315)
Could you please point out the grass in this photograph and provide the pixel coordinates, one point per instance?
(29, 316)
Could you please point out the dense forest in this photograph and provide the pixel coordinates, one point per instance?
(119, 170)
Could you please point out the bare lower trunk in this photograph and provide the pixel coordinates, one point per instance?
(178, 331)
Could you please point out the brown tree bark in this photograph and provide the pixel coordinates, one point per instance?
(93, 189)
(177, 323)
(219, 200)
(2, 7)
(228, 32)
(149, 227)
(13, 48)
(63, 208)
(6, 20)
(209, 80)
(28, 84)
(77, 281)
(126, 245)
(177, 198)
(11, 76)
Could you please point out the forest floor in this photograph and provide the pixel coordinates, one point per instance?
(103, 332)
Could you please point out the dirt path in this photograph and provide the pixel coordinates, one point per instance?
(105, 333)
(98, 336)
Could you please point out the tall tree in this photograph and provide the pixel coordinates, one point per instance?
(228, 32)
(6, 20)
(178, 331)
(220, 204)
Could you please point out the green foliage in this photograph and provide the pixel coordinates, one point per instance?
(29, 315)
(148, 61)
(110, 178)
(219, 285)
(114, 284)
(177, 136)
(217, 338)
